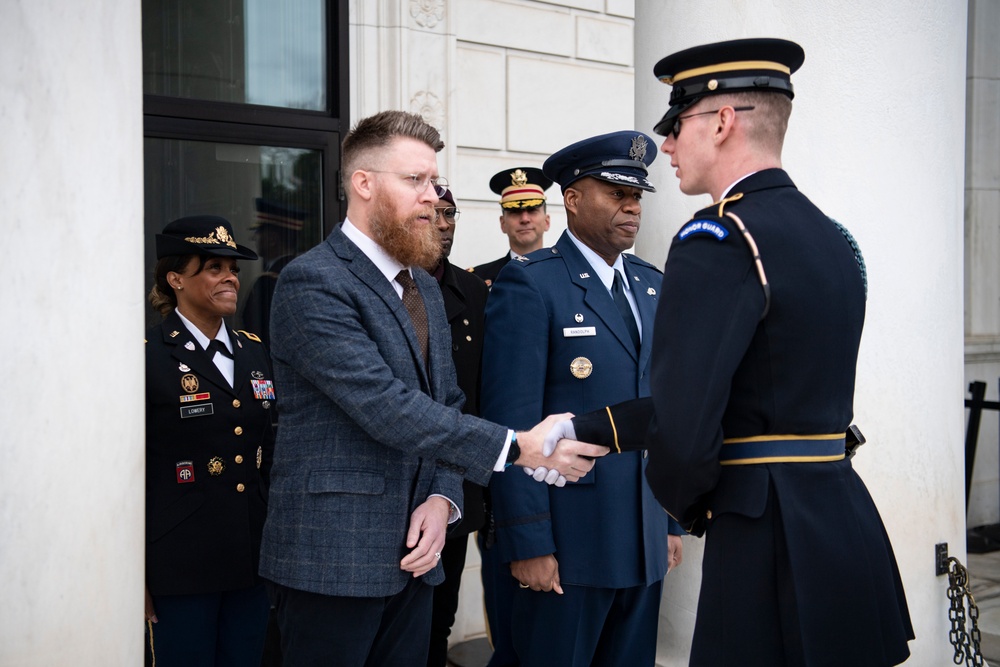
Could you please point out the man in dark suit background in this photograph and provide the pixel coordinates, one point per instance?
(587, 561)
(524, 217)
(465, 305)
(373, 447)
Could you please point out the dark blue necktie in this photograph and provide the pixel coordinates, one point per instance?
(618, 293)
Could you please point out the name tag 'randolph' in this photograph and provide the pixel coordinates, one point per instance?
(573, 332)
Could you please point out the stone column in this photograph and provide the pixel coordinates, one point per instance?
(72, 473)
(876, 140)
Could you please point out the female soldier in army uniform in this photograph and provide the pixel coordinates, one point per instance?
(209, 438)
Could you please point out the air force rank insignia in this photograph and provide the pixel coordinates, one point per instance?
(703, 227)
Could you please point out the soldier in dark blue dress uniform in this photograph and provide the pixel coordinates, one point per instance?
(752, 388)
(209, 441)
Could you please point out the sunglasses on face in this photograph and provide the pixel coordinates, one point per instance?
(676, 128)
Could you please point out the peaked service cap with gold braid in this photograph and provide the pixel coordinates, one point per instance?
(761, 64)
(520, 187)
(617, 157)
(200, 235)
(271, 213)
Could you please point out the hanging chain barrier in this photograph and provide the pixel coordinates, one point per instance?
(966, 643)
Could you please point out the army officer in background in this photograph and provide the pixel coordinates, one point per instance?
(209, 439)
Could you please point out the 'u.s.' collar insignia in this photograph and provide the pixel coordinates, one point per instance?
(189, 346)
(651, 292)
(256, 375)
(581, 368)
(189, 383)
(521, 258)
(174, 334)
(578, 317)
(638, 149)
(260, 455)
(215, 466)
(185, 472)
(183, 368)
(584, 275)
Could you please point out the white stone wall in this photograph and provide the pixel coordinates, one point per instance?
(860, 144)
(982, 246)
(72, 478)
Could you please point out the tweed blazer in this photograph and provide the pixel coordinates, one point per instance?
(367, 432)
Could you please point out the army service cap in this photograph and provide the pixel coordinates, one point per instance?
(520, 187)
(760, 64)
(277, 215)
(200, 235)
(619, 157)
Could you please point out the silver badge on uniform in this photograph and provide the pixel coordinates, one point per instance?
(651, 292)
(256, 375)
(189, 346)
(578, 317)
(183, 368)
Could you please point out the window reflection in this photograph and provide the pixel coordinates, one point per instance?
(272, 196)
(268, 52)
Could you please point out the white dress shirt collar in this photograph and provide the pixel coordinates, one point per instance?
(605, 273)
(225, 365)
(732, 185)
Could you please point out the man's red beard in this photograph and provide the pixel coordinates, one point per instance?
(410, 241)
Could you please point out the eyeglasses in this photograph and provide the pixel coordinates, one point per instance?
(676, 129)
(420, 181)
(451, 214)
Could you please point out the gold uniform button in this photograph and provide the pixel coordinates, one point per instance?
(468, 338)
(236, 402)
(708, 514)
(238, 459)
(238, 430)
(240, 487)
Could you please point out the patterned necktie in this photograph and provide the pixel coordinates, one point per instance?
(415, 306)
(618, 293)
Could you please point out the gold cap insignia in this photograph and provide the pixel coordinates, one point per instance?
(518, 178)
(189, 383)
(215, 466)
(218, 237)
(638, 149)
(581, 368)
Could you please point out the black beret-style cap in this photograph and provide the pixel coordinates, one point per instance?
(761, 64)
(520, 187)
(200, 235)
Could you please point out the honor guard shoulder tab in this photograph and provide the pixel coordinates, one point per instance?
(704, 225)
(252, 336)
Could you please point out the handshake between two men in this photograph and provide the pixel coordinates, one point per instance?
(551, 453)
